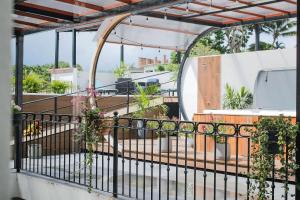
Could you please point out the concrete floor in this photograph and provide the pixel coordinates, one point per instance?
(131, 175)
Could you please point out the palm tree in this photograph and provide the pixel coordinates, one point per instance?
(279, 28)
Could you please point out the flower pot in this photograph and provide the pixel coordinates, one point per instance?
(273, 147)
(220, 151)
(164, 145)
(190, 143)
(34, 151)
(17, 118)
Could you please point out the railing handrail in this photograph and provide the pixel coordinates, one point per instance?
(79, 91)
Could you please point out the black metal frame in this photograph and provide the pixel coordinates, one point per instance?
(186, 55)
(61, 157)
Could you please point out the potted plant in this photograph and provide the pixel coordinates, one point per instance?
(16, 111)
(142, 101)
(32, 131)
(271, 138)
(164, 139)
(186, 130)
(218, 133)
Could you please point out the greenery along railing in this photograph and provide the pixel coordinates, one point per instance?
(161, 159)
(104, 92)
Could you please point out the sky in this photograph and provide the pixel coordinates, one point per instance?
(39, 48)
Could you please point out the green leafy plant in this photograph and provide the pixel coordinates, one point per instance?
(89, 133)
(222, 130)
(185, 130)
(33, 83)
(59, 87)
(121, 71)
(262, 159)
(241, 99)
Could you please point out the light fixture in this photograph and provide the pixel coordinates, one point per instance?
(147, 19)
(142, 47)
(187, 7)
(158, 49)
(115, 32)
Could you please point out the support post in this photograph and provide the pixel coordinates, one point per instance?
(122, 54)
(298, 102)
(128, 97)
(257, 37)
(19, 97)
(115, 160)
(74, 48)
(56, 49)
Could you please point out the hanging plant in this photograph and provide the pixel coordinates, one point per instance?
(273, 138)
(89, 132)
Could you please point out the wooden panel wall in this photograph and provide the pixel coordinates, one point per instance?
(209, 83)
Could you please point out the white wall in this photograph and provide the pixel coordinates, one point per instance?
(237, 70)
(241, 69)
(5, 115)
(189, 86)
(42, 188)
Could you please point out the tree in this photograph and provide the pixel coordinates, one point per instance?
(59, 87)
(33, 83)
(262, 46)
(121, 71)
(175, 57)
(160, 68)
(237, 38)
(280, 28)
(201, 50)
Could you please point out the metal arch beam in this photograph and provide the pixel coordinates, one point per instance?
(186, 55)
(101, 41)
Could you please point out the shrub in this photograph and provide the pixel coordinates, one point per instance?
(59, 87)
(241, 99)
(121, 71)
(33, 83)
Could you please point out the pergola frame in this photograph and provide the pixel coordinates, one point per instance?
(66, 21)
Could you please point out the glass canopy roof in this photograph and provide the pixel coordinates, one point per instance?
(168, 24)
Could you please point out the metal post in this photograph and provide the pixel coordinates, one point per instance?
(298, 101)
(257, 37)
(122, 54)
(19, 96)
(115, 160)
(74, 48)
(128, 91)
(56, 49)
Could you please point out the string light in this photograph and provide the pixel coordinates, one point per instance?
(115, 32)
(165, 17)
(142, 47)
(130, 21)
(147, 19)
(158, 49)
(211, 3)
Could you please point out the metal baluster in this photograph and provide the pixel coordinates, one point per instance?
(176, 186)
(195, 161)
(204, 173)
(129, 180)
(115, 161)
(108, 162)
(70, 142)
(215, 158)
(225, 173)
(248, 168)
(168, 166)
(64, 150)
(123, 159)
(273, 177)
(96, 181)
(137, 165)
(159, 176)
(151, 166)
(47, 151)
(51, 134)
(236, 161)
(185, 167)
(144, 163)
(59, 146)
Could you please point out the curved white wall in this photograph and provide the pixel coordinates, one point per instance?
(189, 86)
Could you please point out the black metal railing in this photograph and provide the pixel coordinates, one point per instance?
(146, 158)
(59, 104)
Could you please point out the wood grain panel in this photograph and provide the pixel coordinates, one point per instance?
(209, 83)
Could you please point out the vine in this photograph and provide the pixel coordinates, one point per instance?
(90, 128)
(273, 138)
